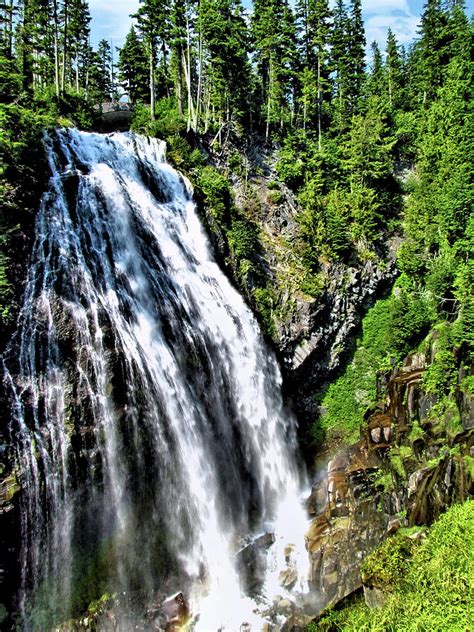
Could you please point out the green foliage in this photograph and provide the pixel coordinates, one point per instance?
(215, 188)
(346, 399)
(428, 586)
(21, 153)
(385, 481)
(274, 196)
(264, 304)
(410, 318)
(441, 376)
(168, 122)
(396, 458)
(386, 566)
(243, 238)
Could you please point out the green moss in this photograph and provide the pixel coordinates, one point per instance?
(416, 432)
(405, 452)
(384, 480)
(469, 465)
(396, 461)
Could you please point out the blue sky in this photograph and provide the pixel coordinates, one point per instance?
(110, 19)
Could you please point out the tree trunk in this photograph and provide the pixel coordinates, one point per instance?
(152, 81)
(270, 79)
(188, 73)
(319, 102)
(65, 36)
(200, 80)
(179, 80)
(56, 47)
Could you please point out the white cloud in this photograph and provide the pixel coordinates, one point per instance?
(403, 26)
(111, 19)
(385, 6)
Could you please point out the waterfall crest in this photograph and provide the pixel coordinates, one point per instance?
(148, 422)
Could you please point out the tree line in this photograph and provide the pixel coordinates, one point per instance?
(45, 51)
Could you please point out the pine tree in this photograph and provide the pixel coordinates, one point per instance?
(104, 53)
(376, 78)
(394, 71)
(133, 68)
(225, 40)
(153, 22)
(178, 47)
(274, 38)
(314, 17)
(78, 33)
(340, 64)
(356, 57)
(429, 51)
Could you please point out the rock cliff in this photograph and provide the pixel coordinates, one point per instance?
(409, 465)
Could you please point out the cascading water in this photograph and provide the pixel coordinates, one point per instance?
(150, 434)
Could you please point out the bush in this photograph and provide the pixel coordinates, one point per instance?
(243, 238)
(216, 191)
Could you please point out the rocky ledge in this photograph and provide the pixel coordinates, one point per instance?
(409, 465)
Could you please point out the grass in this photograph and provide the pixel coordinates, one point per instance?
(431, 591)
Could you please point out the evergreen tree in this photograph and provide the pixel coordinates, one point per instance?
(429, 52)
(356, 53)
(340, 49)
(393, 71)
(133, 68)
(153, 23)
(104, 81)
(178, 19)
(225, 39)
(78, 31)
(314, 17)
(376, 78)
(274, 44)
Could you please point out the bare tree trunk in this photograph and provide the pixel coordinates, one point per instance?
(200, 80)
(179, 81)
(187, 78)
(56, 47)
(165, 66)
(267, 128)
(65, 36)
(188, 73)
(319, 101)
(152, 81)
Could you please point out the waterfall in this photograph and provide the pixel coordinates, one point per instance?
(152, 443)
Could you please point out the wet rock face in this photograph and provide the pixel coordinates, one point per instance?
(252, 562)
(349, 526)
(405, 470)
(314, 342)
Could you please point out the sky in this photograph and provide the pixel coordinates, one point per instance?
(111, 19)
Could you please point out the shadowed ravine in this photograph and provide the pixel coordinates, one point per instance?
(147, 417)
